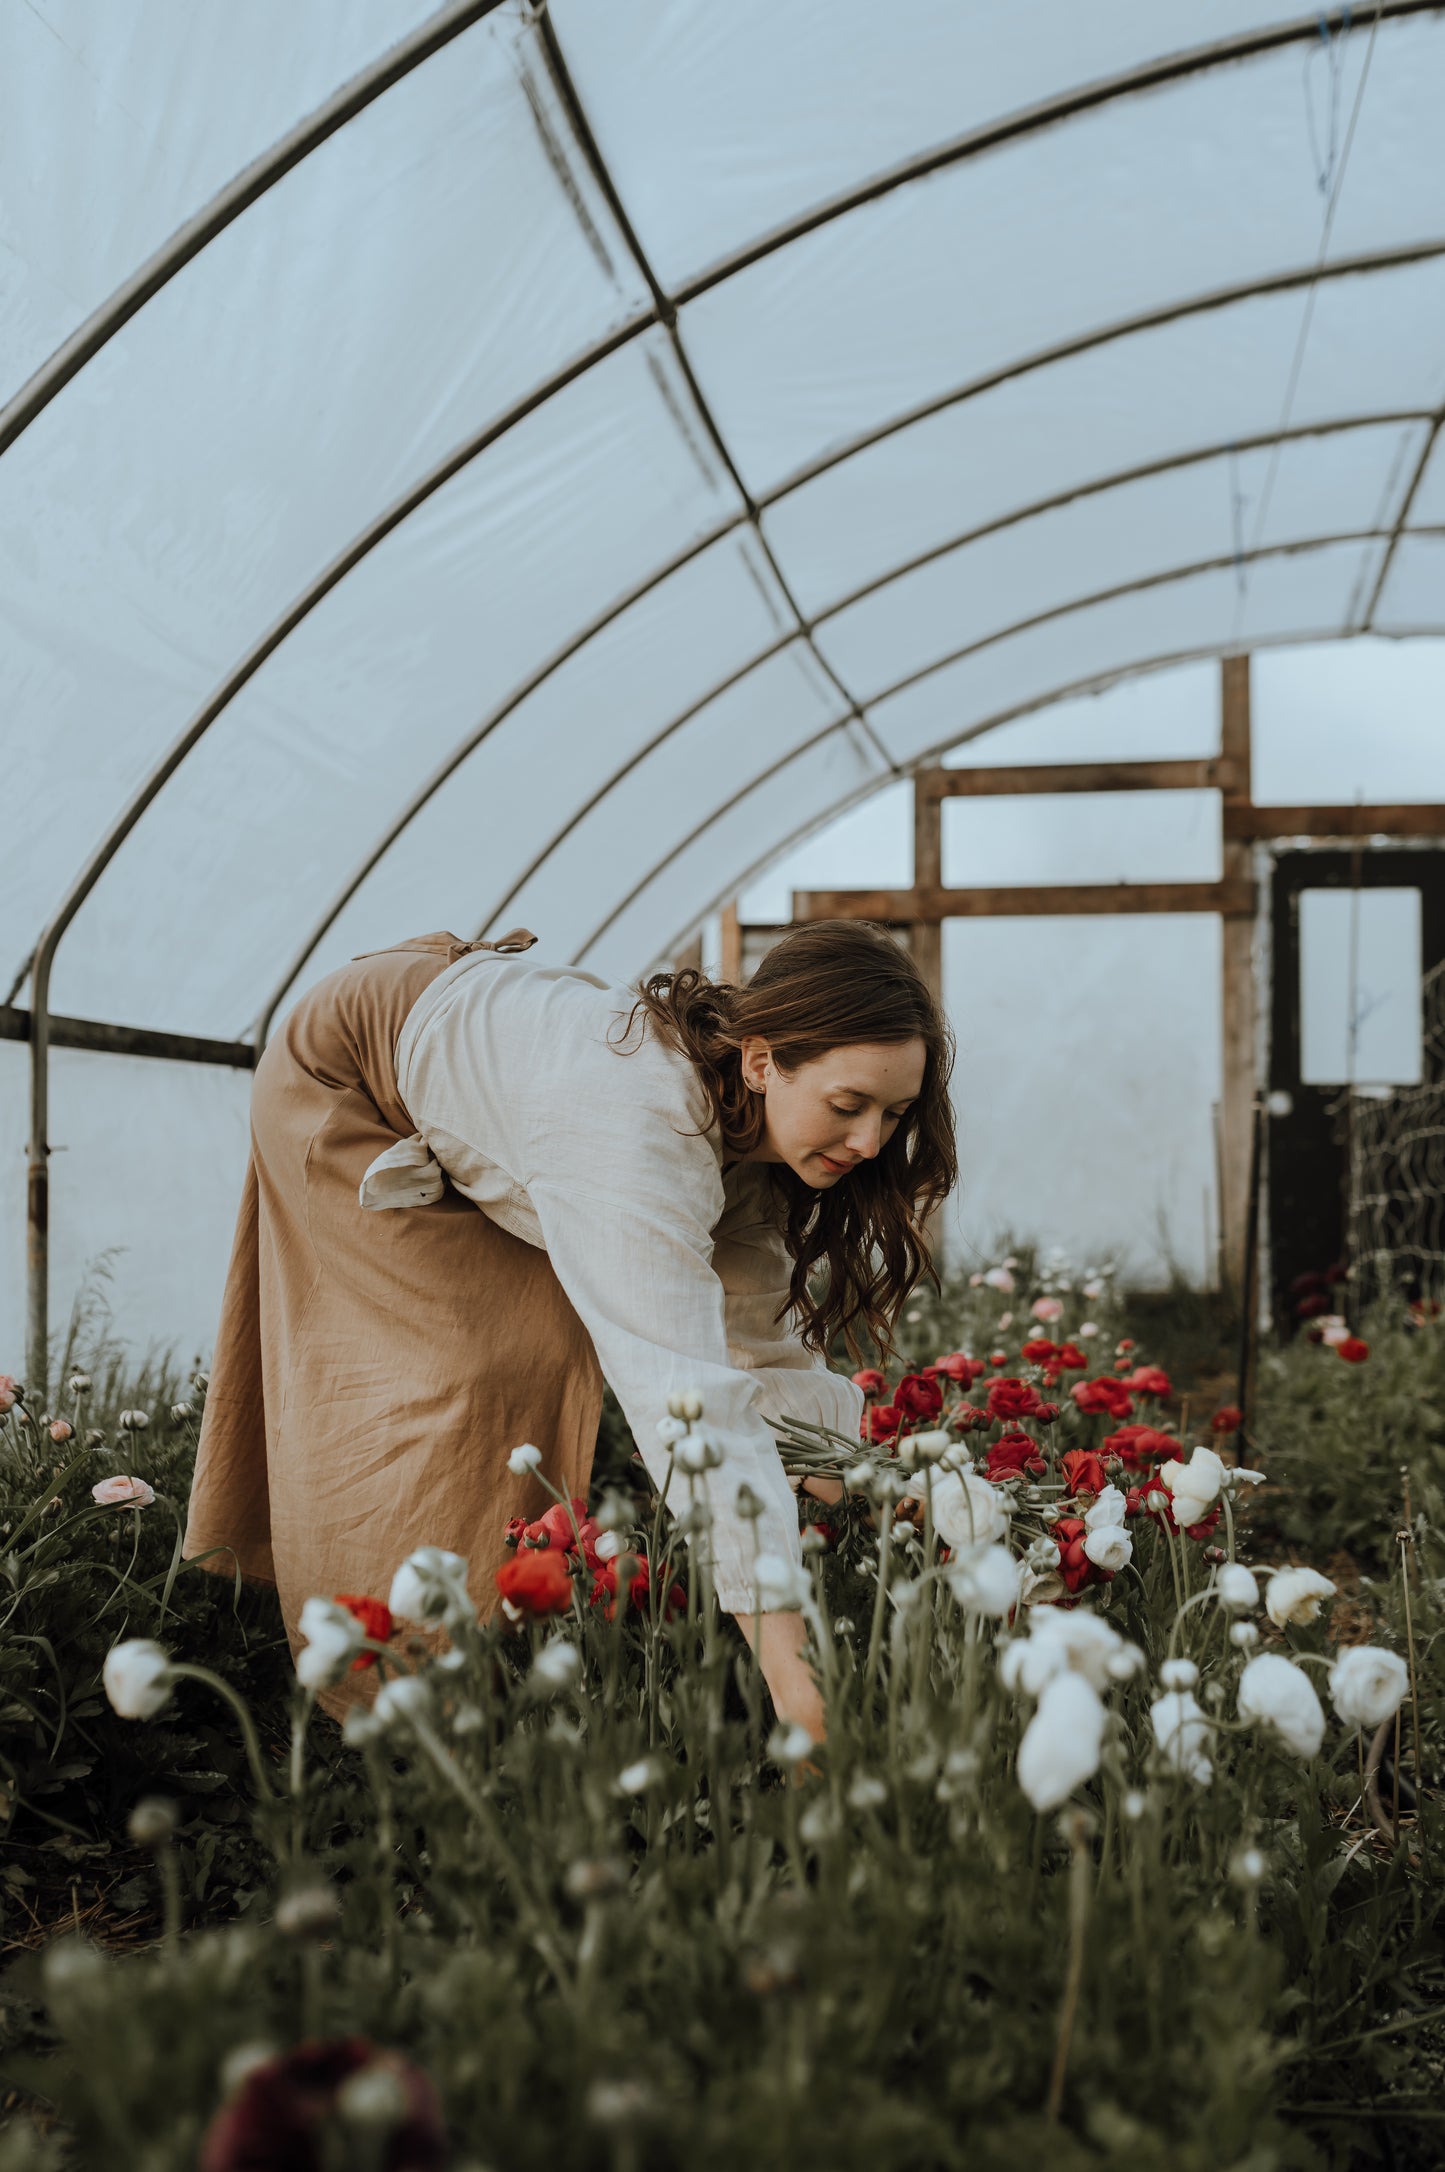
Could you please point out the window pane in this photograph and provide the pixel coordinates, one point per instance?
(1360, 987)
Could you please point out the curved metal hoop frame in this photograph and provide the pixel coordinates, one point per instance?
(263, 174)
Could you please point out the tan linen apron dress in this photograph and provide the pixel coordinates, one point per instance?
(374, 1369)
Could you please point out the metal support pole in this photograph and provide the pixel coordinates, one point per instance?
(37, 1189)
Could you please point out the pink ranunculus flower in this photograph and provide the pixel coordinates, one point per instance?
(1047, 1308)
(121, 1492)
(61, 1430)
(7, 1392)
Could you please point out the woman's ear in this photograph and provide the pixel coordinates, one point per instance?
(754, 1052)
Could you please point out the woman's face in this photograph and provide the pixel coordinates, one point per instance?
(837, 1110)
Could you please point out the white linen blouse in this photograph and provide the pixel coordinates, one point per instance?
(600, 1155)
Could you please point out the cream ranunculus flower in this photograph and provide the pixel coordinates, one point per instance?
(1106, 1511)
(333, 1637)
(1235, 1588)
(1109, 1548)
(1274, 1691)
(1182, 1733)
(1292, 1596)
(1194, 1485)
(1368, 1685)
(968, 1511)
(1066, 1640)
(431, 1585)
(137, 1678)
(1062, 1742)
(984, 1580)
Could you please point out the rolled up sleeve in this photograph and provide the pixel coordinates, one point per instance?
(753, 1265)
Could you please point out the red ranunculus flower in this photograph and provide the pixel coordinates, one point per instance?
(555, 1527)
(1014, 1452)
(516, 1525)
(1352, 1350)
(1084, 1471)
(1010, 1398)
(536, 1581)
(1149, 1380)
(1071, 1358)
(375, 1619)
(871, 1381)
(917, 1396)
(604, 1590)
(1135, 1504)
(967, 1417)
(1228, 1420)
(1137, 1446)
(1038, 1352)
(964, 1370)
(1075, 1567)
(1046, 1413)
(883, 1421)
(1106, 1398)
(283, 2114)
(1125, 1342)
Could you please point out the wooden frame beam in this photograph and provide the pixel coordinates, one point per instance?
(1214, 773)
(901, 908)
(1246, 823)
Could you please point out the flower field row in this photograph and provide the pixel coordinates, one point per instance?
(1122, 1846)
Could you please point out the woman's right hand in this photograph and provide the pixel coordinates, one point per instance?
(785, 1668)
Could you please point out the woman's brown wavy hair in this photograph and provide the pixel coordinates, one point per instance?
(829, 984)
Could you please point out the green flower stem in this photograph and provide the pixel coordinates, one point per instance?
(490, 1824)
(242, 1711)
(880, 1602)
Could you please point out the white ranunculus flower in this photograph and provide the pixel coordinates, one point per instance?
(557, 1664)
(1194, 1485)
(927, 1447)
(1065, 1640)
(782, 1585)
(790, 1744)
(608, 1545)
(671, 1430)
(524, 1459)
(1236, 1588)
(1106, 1511)
(137, 1678)
(967, 1510)
(1109, 1548)
(431, 1585)
(1292, 1596)
(333, 1637)
(1182, 1733)
(1178, 1674)
(985, 1580)
(636, 1778)
(1368, 1685)
(1274, 1691)
(1061, 1745)
(405, 1696)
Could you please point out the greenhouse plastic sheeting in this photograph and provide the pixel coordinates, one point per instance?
(636, 432)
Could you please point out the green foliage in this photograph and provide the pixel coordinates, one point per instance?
(619, 1925)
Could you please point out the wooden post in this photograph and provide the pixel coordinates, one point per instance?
(1238, 1084)
(928, 875)
(732, 945)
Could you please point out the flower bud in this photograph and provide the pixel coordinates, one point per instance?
(79, 1383)
(687, 1404)
(596, 1877)
(670, 1431)
(1247, 1867)
(1243, 1636)
(311, 1911)
(524, 1460)
(200, 1382)
(60, 1431)
(180, 1412)
(747, 1504)
(153, 1821)
(134, 1421)
(1178, 1674)
(95, 1438)
(373, 2098)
